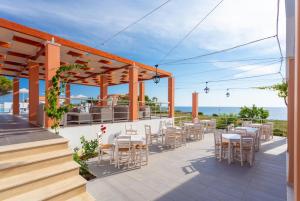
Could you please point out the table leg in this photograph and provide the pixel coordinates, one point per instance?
(229, 152)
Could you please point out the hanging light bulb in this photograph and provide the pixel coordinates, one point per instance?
(206, 89)
(156, 77)
(227, 93)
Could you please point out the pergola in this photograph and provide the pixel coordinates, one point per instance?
(29, 53)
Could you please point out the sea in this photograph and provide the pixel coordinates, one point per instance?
(275, 113)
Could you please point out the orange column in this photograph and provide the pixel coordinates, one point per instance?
(142, 93)
(195, 106)
(68, 93)
(171, 96)
(33, 91)
(103, 90)
(16, 97)
(133, 93)
(52, 63)
(297, 107)
(291, 96)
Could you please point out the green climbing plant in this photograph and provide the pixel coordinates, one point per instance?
(53, 110)
(280, 88)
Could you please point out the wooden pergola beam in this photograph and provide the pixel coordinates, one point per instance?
(46, 36)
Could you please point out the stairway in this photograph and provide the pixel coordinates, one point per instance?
(41, 170)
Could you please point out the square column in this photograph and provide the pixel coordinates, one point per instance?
(171, 96)
(52, 63)
(195, 106)
(68, 94)
(133, 93)
(33, 91)
(142, 93)
(290, 131)
(16, 96)
(103, 90)
(297, 107)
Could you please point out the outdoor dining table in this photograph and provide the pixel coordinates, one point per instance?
(134, 139)
(230, 138)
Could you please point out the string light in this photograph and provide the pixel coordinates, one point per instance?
(156, 77)
(206, 89)
(227, 93)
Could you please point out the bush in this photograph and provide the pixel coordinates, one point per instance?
(215, 115)
(83, 170)
(88, 148)
(224, 120)
(200, 113)
(253, 113)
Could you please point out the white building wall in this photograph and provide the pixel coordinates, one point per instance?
(74, 133)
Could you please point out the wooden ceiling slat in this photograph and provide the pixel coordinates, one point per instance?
(27, 41)
(81, 62)
(75, 54)
(5, 44)
(14, 63)
(17, 54)
(104, 61)
(12, 69)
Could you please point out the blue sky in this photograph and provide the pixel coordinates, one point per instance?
(234, 22)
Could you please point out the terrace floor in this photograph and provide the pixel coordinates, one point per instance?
(17, 129)
(192, 173)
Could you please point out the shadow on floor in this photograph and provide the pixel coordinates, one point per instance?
(214, 180)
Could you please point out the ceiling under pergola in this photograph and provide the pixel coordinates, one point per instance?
(20, 44)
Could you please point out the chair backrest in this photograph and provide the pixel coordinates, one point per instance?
(147, 129)
(240, 131)
(246, 141)
(230, 127)
(123, 141)
(246, 123)
(129, 130)
(148, 138)
(218, 137)
(99, 138)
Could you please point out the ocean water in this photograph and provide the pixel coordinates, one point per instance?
(275, 113)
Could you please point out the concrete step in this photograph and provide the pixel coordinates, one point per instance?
(29, 163)
(21, 183)
(61, 190)
(82, 197)
(25, 149)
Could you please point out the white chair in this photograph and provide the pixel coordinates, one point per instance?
(142, 151)
(104, 148)
(171, 138)
(267, 131)
(244, 150)
(123, 150)
(153, 136)
(221, 148)
(130, 130)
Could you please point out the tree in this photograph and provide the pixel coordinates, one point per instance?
(281, 89)
(253, 113)
(6, 85)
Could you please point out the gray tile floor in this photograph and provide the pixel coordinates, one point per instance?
(16, 129)
(192, 173)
